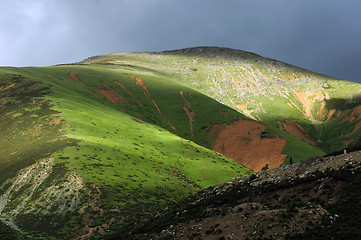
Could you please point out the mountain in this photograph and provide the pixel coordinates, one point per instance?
(114, 138)
(314, 114)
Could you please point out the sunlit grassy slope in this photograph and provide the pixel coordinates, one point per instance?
(109, 136)
(123, 148)
(317, 113)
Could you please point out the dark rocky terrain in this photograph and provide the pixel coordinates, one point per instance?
(316, 199)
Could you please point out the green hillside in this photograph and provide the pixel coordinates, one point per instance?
(316, 112)
(85, 142)
(116, 137)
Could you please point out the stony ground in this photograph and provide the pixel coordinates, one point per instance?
(272, 204)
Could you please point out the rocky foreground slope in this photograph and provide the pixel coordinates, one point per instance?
(315, 199)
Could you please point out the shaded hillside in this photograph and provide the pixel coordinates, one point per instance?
(315, 199)
(30, 127)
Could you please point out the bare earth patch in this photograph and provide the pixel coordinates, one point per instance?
(141, 84)
(129, 93)
(111, 95)
(189, 111)
(296, 130)
(75, 77)
(242, 142)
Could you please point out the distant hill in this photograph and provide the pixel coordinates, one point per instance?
(115, 138)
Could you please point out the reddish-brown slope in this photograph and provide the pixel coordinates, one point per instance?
(111, 95)
(172, 127)
(189, 111)
(3, 88)
(181, 93)
(75, 77)
(129, 93)
(5, 101)
(242, 142)
(355, 130)
(141, 83)
(51, 80)
(296, 130)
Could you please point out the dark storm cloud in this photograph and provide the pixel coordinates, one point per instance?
(323, 36)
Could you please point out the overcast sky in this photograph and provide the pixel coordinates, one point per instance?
(320, 35)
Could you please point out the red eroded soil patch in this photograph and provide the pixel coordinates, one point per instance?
(338, 114)
(348, 142)
(51, 80)
(181, 93)
(321, 111)
(5, 101)
(111, 95)
(74, 76)
(330, 114)
(357, 127)
(141, 83)
(190, 114)
(296, 130)
(129, 93)
(172, 127)
(189, 111)
(355, 114)
(242, 142)
(3, 88)
(348, 118)
(357, 110)
(307, 100)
